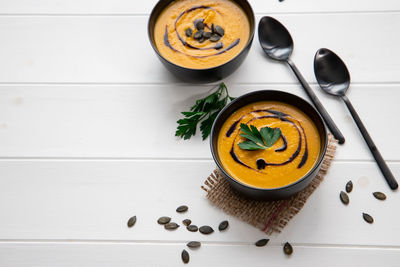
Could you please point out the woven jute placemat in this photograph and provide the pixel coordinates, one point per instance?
(268, 216)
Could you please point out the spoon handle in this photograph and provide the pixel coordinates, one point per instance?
(374, 150)
(328, 120)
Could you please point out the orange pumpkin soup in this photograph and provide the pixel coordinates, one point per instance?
(289, 159)
(201, 34)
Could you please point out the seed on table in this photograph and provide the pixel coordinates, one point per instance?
(223, 225)
(171, 226)
(349, 186)
(192, 228)
(193, 244)
(287, 249)
(164, 220)
(344, 198)
(368, 218)
(188, 32)
(131, 221)
(182, 208)
(261, 242)
(186, 222)
(219, 30)
(185, 256)
(206, 230)
(379, 195)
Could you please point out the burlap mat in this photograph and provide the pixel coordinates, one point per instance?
(268, 216)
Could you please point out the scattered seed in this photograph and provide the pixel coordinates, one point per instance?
(207, 35)
(164, 220)
(182, 208)
(171, 226)
(261, 242)
(218, 46)
(188, 32)
(199, 24)
(186, 222)
(349, 186)
(193, 244)
(198, 35)
(185, 256)
(368, 218)
(215, 37)
(201, 40)
(288, 249)
(344, 198)
(379, 195)
(206, 230)
(223, 225)
(131, 221)
(192, 228)
(219, 30)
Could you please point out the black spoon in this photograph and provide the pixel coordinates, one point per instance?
(334, 78)
(277, 43)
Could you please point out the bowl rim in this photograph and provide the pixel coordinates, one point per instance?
(305, 176)
(249, 41)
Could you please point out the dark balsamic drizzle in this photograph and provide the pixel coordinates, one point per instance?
(284, 147)
(235, 158)
(233, 127)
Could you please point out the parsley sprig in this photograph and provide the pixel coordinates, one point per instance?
(204, 112)
(262, 139)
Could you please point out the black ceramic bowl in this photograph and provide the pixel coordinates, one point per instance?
(269, 95)
(202, 75)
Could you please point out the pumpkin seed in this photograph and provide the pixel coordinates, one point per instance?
(188, 32)
(185, 256)
(164, 220)
(218, 46)
(261, 242)
(207, 35)
(201, 40)
(171, 226)
(287, 249)
(368, 218)
(379, 195)
(219, 30)
(212, 28)
(186, 222)
(182, 208)
(206, 230)
(344, 198)
(131, 221)
(215, 37)
(349, 186)
(193, 244)
(223, 225)
(198, 35)
(199, 24)
(192, 228)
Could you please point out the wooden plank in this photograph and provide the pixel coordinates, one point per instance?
(108, 121)
(110, 49)
(92, 200)
(72, 254)
(144, 7)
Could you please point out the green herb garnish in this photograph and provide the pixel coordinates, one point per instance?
(205, 111)
(262, 139)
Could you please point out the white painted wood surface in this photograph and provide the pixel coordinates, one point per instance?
(77, 79)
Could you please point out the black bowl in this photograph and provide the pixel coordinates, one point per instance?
(269, 95)
(202, 75)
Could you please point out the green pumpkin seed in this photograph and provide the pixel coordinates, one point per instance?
(219, 30)
(199, 24)
(193, 244)
(188, 32)
(164, 220)
(207, 35)
(198, 35)
(261, 242)
(379, 195)
(192, 228)
(344, 198)
(368, 218)
(182, 208)
(131, 221)
(206, 230)
(201, 40)
(287, 249)
(215, 37)
(186, 222)
(223, 225)
(349, 186)
(171, 226)
(185, 256)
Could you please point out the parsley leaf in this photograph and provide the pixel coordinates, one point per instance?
(262, 139)
(204, 111)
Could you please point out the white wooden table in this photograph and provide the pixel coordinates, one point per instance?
(78, 83)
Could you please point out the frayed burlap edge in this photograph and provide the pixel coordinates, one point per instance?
(268, 216)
